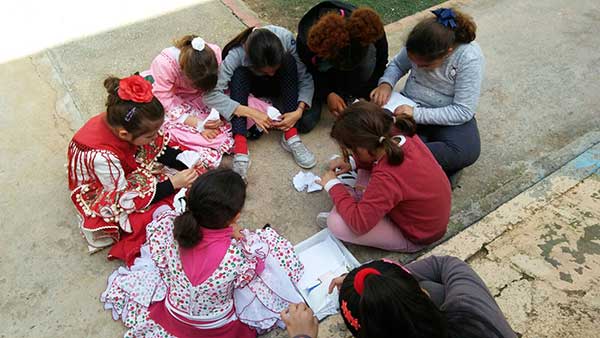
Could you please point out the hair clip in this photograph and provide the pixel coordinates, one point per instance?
(445, 16)
(359, 279)
(348, 315)
(198, 43)
(130, 114)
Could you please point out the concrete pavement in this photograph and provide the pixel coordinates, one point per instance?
(537, 109)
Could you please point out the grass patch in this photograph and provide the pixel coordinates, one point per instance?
(287, 13)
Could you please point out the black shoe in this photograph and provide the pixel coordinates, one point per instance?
(254, 133)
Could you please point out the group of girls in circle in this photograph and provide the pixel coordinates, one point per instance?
(169, 127)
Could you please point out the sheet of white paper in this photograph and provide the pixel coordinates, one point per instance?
(323, 257)
(397, 99)
(322, 262)
(188, 157)
(306, 181)
(213, 116)
(274, 113)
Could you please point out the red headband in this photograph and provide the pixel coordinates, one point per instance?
(359, 279)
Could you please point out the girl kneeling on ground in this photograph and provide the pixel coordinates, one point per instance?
(446, 70)
(401, 201)
(264, 62)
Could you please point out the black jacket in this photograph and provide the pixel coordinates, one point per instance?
(335, 80)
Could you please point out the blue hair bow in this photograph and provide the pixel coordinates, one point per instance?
(446, 16)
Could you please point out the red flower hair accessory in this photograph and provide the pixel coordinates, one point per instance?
(135, 88)
(348, 315)
(359, 279)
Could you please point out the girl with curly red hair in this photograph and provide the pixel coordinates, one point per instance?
(346, 51)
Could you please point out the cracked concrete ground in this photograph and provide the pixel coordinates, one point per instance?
(545, 272)
(537, 110)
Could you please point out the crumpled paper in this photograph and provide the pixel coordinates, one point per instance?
(188, 157)
(306, 181)
(274, 114)
(213, 116)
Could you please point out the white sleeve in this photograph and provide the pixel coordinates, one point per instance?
(109, 171)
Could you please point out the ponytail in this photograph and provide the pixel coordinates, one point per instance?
(431, 38)
(214, 200)
(393, 151)
(186, 230)
(240, 39)
(407, 127)
(466, 30)
(406, 124)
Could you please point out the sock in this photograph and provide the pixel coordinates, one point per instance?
(290, 133)
(240, 145)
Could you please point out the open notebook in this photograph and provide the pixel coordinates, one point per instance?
(324, 258)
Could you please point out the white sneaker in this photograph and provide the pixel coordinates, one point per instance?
(303, 157)
(241, 163)
(322, 219)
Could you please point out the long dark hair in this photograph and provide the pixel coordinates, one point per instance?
(431, 40)
(366, 125)
(393, 304)
(263, 47)
(117, 110)
(200, 67)
(213, 201)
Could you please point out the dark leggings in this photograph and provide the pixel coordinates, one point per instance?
(281, 87)
(454, 147)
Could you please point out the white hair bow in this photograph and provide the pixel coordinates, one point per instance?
(198, 44)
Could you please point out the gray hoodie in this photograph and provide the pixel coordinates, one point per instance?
(237, 57)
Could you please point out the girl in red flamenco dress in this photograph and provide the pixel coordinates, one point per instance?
(116, 170)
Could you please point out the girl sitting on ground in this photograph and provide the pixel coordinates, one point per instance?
(263, 61)
(112, 176)
(401, 198)
(197, 261)
(446, 70)
(436, 297)
(345, 49)
(182, 74)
